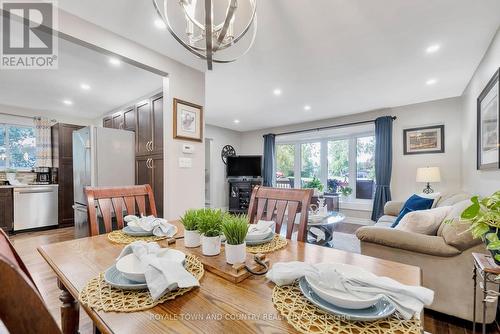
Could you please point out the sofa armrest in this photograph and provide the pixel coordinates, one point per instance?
(414, 242)
(392, 208)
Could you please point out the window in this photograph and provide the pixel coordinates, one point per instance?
(310, 163)
(365, 167)
(285, 164)
(338, 164)
(17, 147)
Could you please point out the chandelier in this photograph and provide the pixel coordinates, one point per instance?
(207, 39)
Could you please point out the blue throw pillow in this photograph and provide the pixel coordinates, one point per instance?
(414, 203)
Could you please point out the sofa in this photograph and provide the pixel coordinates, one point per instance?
(445, 258)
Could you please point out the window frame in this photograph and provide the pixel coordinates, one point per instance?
(5, 127)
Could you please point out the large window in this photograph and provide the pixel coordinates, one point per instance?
(365, 167)
(338, 164)
(285, 165)
(17, 147)
(310, 163)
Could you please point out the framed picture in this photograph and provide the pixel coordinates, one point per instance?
(488, 125)
(423, 140)
(188, 121)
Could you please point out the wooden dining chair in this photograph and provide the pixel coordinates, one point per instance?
(272, 203)
(114, 201)
(22, 309)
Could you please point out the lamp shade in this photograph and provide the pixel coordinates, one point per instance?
(428, 174)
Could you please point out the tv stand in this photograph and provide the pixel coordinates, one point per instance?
(240, 191)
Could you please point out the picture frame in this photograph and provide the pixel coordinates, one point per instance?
(488, 125)
(424, 140)
(188, 121)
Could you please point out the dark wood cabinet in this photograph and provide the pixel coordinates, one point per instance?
(6, 209)
(240, 192)
(62, 159)
(157, 124)
(129, 119)
(117, 120)
(107, 122)
(143, 135)
(157, 182)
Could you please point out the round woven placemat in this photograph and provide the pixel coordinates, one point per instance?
(101, 296)
(307, 318)
(278, 242)
(119, 237)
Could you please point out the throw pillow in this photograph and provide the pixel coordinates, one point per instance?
(413, 203)
(435, 196)
(424, 221)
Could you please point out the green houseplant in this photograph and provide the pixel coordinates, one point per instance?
(346, 191)
(210, 227)
(315, 183)
(235, 229)
(191, 233)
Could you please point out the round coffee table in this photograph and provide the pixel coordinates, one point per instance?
(321, 232)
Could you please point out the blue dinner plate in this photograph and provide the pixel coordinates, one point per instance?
(136, 233)
(116, 279)
(267, 239)
(382, 309)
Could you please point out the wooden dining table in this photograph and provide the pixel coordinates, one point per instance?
(217, 306)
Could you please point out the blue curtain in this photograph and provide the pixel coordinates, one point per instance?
(269, 159)
(383, 165)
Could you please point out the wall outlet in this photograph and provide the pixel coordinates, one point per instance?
(185, 162)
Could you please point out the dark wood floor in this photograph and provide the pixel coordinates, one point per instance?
(26, 244)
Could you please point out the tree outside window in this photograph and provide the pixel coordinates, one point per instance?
(17, 147)
(338, 164)
(285, 162)
(310, 162)
(365, 167)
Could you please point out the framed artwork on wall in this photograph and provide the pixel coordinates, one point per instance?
(188, 121)
(488, 125)
(424, 140)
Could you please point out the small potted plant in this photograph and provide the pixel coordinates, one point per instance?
(191, 233)
(235, 229)
(209, 225)
(346, 191)
(315, 184)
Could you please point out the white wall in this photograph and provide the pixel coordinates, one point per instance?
(220, 137)
(34, 113)
(446, 111)
(475, 181)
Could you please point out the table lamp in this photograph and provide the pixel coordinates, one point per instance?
(428, 175)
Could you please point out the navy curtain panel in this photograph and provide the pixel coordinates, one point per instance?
(383, 165)
(269, 158)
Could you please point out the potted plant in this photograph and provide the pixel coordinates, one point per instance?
(483, 215)
(346, 191)
(235, 230)
(209, 225)
(191, 233)
(315, 184)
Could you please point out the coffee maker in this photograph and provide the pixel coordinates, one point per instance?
(43, 175)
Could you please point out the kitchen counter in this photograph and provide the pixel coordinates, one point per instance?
(29, 186)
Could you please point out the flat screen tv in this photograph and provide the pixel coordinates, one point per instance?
(244, 166)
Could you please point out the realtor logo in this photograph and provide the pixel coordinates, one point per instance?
(28, 38)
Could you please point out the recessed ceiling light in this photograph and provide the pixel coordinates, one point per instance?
(433, 48)
(160, 24)
(114, 61)
(277, 92)
(67, 102)
(431, 82)
(236, 121)
(84, 86)
(307, 107)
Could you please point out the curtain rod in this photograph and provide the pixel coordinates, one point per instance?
(328, 127)
(31, 117)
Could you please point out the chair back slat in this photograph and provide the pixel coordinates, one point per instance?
(273, 203)
(111, 200)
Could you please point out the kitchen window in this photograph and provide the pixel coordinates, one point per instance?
(17, 147)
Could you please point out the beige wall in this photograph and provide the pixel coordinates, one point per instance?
(475, 181)
(61, 118)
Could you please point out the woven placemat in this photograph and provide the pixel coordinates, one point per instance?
(307, 318)
(278, 242)
(119, 237)
(101, 296)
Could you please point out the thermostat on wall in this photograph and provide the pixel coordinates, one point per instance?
(188, 148)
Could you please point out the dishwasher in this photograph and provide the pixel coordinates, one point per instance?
(35, 207)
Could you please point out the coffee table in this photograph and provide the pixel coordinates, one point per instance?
(321, 233)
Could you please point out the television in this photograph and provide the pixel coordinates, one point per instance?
(244, 166)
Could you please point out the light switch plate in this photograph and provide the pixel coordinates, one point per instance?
(185, 162)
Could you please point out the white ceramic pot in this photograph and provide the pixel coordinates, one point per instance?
(236, 253)
(210, 246)
(192, 238)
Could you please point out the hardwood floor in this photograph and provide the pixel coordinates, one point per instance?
(26, 244)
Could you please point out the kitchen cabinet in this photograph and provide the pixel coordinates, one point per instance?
(149, 170)
(144, 130)
(117, 120)
(107, 122)
(6, 210)
(129, 119)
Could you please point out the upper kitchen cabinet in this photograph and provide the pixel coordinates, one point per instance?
(157, 124)
(121, 120)
(144, 133)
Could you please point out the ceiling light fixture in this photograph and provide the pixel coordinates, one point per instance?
(277, 92)
(236, 121)
(84, 86)
(160, 24)
(307, 107)
(430, 82)
(205, 39)
(433, 48)
(67, 102)
(115, 61)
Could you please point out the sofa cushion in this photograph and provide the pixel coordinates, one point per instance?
(424, 221)
(413, 203)
(455, 234)
(452, 199)
(386, 221)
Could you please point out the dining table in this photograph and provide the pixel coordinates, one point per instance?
(216, 306)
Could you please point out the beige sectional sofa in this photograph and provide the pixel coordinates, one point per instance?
(445, 258)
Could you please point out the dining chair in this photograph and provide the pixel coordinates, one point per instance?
(114, 201)
(272, 203)
(22, 309)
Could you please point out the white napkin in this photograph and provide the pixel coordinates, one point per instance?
(162, 274)
(407, 299)
(159, 226)
(261, 226)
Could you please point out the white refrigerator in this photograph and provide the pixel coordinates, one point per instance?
(101, 157)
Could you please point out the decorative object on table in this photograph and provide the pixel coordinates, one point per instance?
(316, 185)
(149, 225)
(235, 229)
(413, 203)
(488, 125)
(424, 140)
(119, 237)
(192, 236)
(210, 227)
(188, 121)
(208, 39)
(428, 175)
(101, 296)
(227, 151)
(346, 191)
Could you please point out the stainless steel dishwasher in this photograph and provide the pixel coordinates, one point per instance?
(35, 207)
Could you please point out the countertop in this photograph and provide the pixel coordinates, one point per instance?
(29, 186)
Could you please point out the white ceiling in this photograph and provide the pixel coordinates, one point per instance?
(338, 56)
(45, 90)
